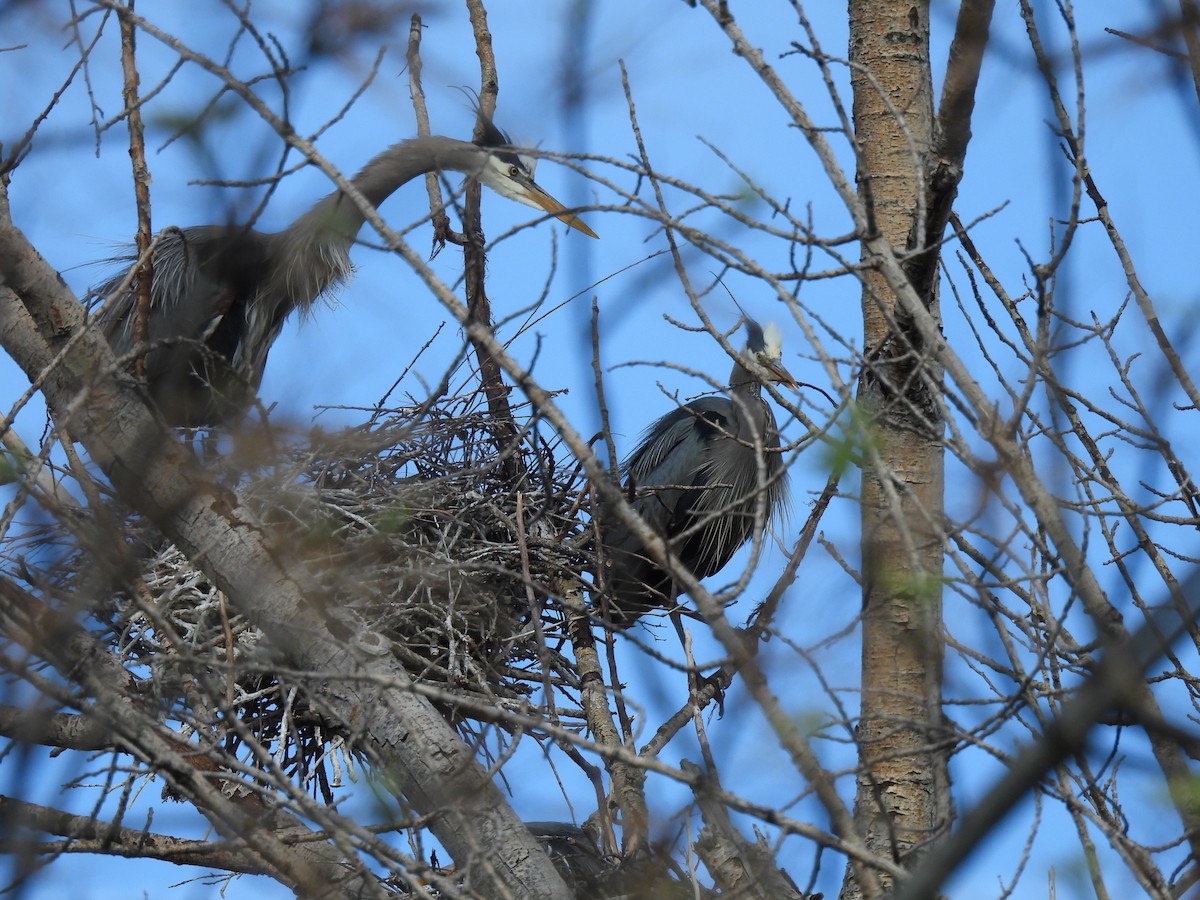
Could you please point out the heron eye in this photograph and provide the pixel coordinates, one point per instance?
(513, 171)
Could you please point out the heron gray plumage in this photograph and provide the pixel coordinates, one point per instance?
(696, 477)
(221, 294)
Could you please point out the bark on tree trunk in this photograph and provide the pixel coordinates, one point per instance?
(902, 796)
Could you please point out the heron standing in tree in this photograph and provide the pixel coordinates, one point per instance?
(222, 293)
(696, 478)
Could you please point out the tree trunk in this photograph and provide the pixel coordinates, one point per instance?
(902, 797)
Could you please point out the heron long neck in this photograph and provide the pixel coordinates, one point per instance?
(745, 390)
(743, 385)
(314, 251)
(337, 218)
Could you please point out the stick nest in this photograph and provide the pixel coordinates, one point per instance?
(415, 522)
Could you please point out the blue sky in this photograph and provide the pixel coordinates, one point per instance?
(1142, 143)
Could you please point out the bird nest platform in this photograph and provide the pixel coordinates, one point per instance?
(417, 524)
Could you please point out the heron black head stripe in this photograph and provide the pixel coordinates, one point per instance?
(754, 336)
(492, 136)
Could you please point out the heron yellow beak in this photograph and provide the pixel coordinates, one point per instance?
(778, 373)
(556, 209)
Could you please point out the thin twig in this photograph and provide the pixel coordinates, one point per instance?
(141, 186)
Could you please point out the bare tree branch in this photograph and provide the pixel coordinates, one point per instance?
(1117, 681)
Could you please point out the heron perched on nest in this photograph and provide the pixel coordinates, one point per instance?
(221, 293)
(697, 477)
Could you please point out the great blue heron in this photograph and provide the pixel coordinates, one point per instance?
(696, 477)
(221, 293)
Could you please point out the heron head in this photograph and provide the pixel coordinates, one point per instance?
(510, 174)
(764, 353)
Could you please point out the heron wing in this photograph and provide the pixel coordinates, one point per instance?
(671, 466)
(184, 301)
(202, 277)
(665, 472)
(700, 477)
(696, 478)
